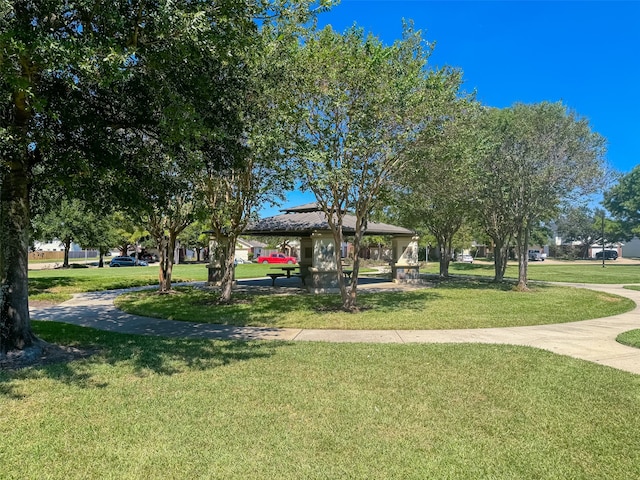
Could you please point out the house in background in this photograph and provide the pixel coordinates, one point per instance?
(631, 249)
(54, 245)
(248, 249)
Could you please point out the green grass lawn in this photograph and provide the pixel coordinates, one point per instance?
(452, 305)
(557, 272)
(59, 284)
(147, 407)
(631, 338)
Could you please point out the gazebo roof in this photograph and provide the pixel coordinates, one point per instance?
(305, 219)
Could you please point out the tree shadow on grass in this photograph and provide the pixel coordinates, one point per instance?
(46, 284)
(249, 309)
(72, 284)
(470, 267)
(143, 355)
(470, 282)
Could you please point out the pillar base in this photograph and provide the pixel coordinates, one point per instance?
(405, 273)
(321, 281)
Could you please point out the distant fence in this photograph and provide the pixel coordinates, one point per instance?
(60, 255)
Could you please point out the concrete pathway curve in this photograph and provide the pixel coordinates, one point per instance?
(592, 340)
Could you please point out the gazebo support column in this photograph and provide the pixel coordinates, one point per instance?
(404, 266)
(322, 275)
(306, 257)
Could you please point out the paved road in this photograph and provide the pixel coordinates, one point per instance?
(592, 340)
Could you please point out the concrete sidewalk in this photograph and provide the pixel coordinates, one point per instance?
(592, 340)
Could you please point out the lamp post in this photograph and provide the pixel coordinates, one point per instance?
(603, 255)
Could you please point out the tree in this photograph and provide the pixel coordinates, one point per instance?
(193, 237)
(536, 156)
(580, 224)
(623, 201)
(70, 222)
(254, 169)
(435, 186)
(54, 69)
(102, 234)
(170, 201)
(360, 105)
(84, 84)
(165, 224)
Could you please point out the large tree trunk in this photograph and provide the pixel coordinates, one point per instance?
(500, 258)
(444, 259)
(15, 324)
(163, 253)
(167, 253)
(522, 243)
(352, 294)
(228, 268)
(348, 300)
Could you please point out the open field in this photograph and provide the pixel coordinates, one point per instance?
(59, 284)
(147, 407)
(619, 271)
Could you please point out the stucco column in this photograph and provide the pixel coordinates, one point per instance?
(404, 264)
(323, 273)
(306, 256)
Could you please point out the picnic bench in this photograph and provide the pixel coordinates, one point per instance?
(288, 273)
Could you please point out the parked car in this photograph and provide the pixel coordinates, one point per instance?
(123, 262)
(148, 257)
(277, 258)
(536, 256)
(466, 258)
(127, 262)
(608, 255)
(238, 261)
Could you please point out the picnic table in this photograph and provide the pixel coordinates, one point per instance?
(287, 269)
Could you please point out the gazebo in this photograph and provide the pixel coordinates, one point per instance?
(317, 259)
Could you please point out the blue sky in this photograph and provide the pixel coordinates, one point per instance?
(583, 53)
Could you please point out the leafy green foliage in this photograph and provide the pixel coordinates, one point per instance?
(535, 156)
(623, 201)
(359, 105)
(435, 187)
(97, 97)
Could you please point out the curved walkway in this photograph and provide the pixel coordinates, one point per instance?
(591, 340)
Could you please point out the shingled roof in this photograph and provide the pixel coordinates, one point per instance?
(303, 220)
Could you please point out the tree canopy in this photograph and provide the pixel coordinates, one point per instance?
(87, 86)
(535, 157)
(360, 105)
(623, 201)
(434, 189)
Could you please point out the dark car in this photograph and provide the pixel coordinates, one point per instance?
(608, 255)
(148, 257)
(123, 262)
